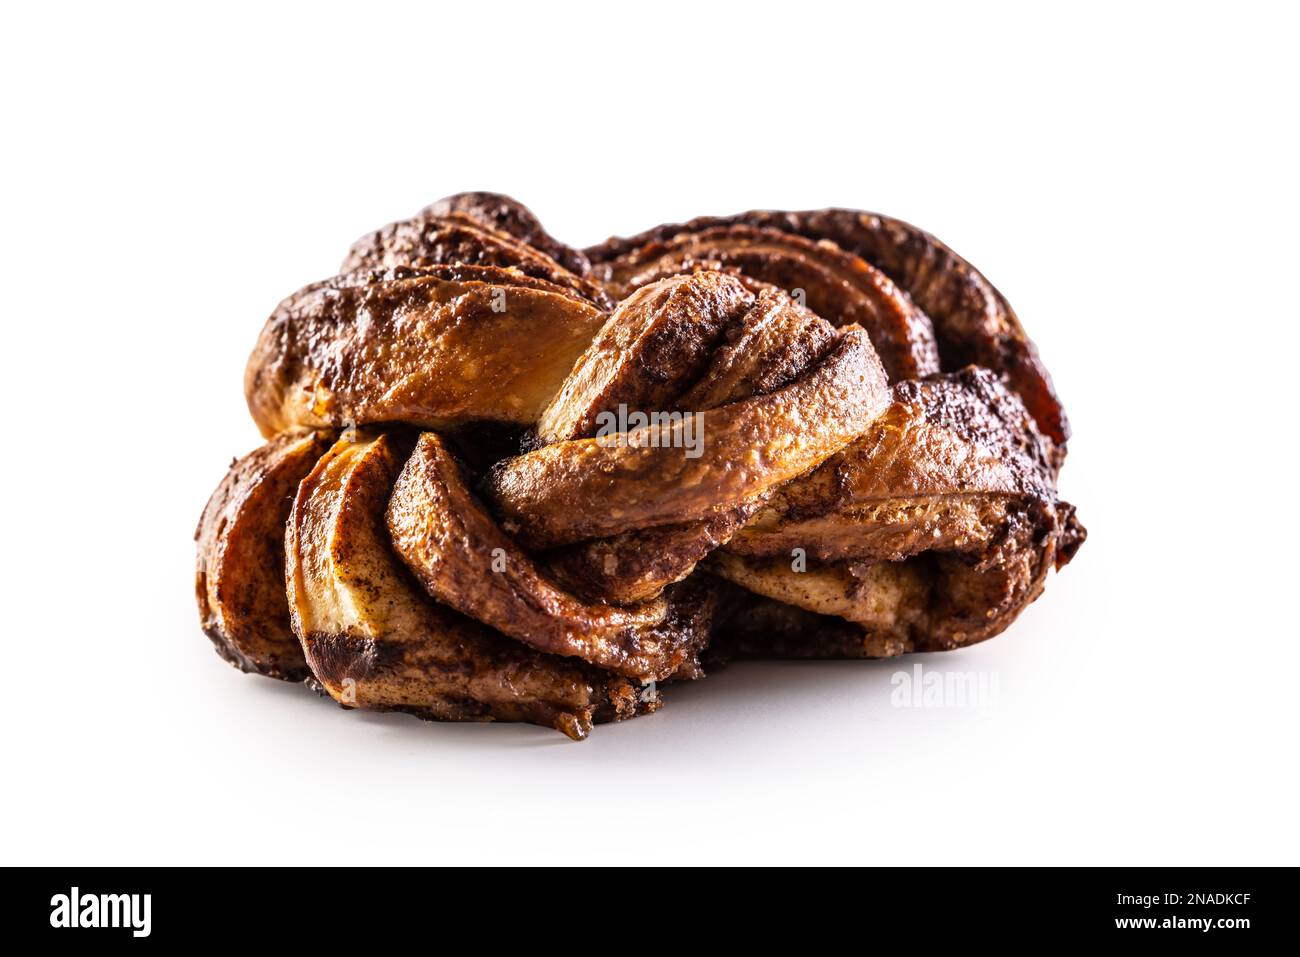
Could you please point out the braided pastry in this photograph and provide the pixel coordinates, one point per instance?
(505, 479)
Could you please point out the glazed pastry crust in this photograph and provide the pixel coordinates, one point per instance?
(832, 438)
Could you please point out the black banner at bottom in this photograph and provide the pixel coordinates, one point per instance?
(131, 907)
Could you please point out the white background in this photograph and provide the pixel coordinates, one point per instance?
(1127, 177)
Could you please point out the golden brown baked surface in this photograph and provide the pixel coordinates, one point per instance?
(431, 347)
(505, 479)
(375, 640)
(972, 322)
(239, 581)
